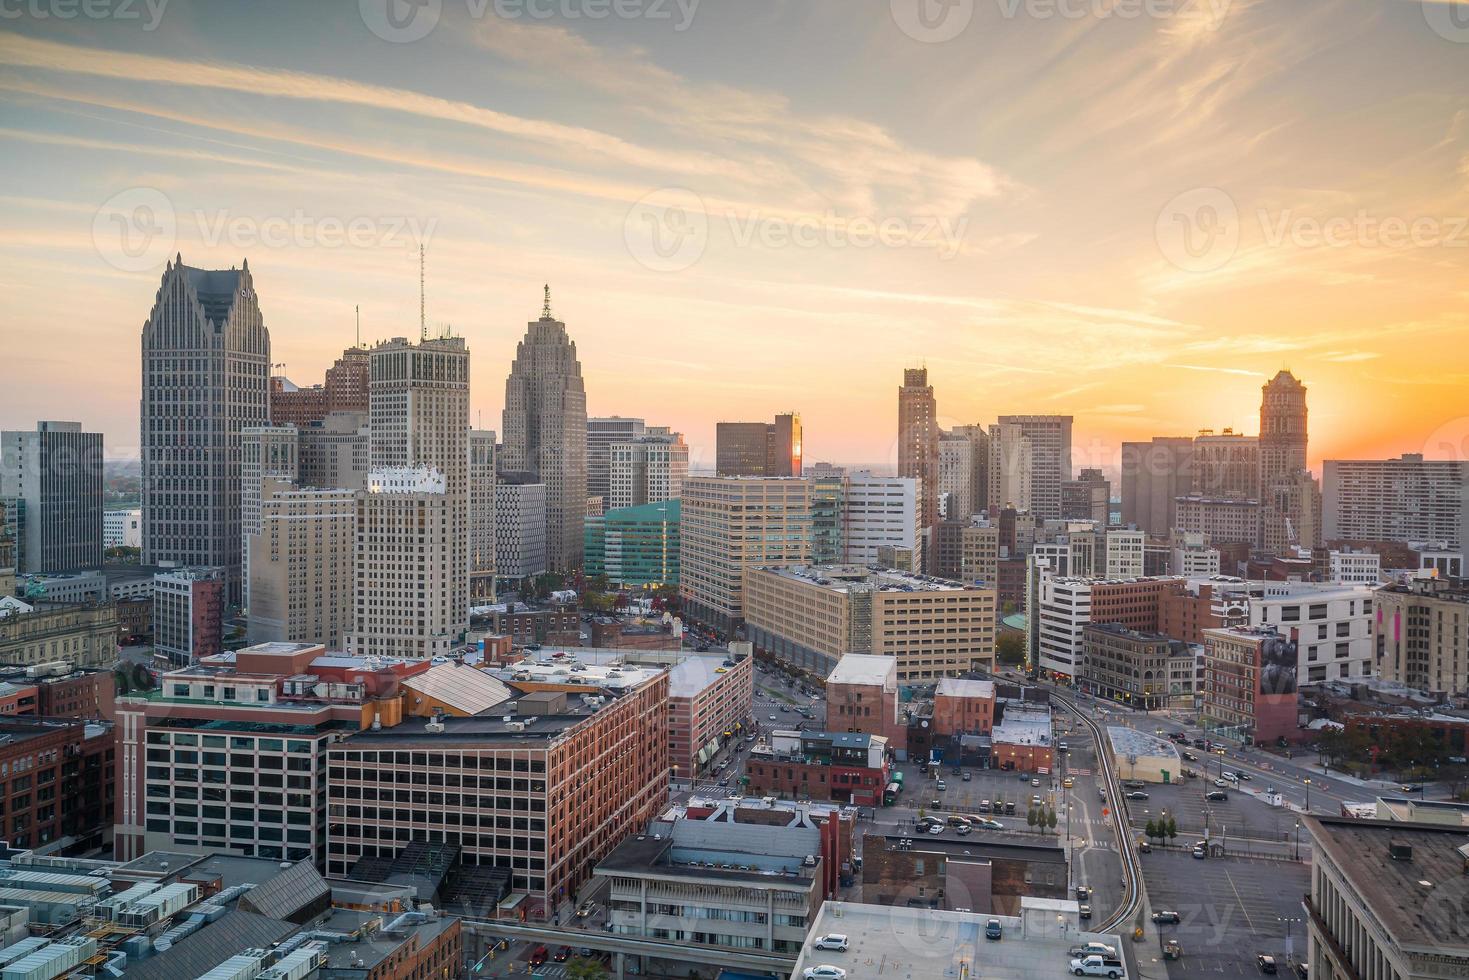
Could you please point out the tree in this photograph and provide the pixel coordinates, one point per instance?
(1151, 830)
(1051, 819)
(1031, 817)
(585, 968)
(1171, 829)
(1010, 649)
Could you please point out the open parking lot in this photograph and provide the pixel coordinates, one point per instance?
(1241, 821)
(1232, 909)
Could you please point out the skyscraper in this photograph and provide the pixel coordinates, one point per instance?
(57, 472)
(266, 452)
(759, 448)
(206, 376)
(918, 442)
(602, 434)
(545, 431)
(1154, 474)
(1285, 502)
(481, 514)
(648, 470)
(413, 534)
(1049, 443)
(1406, 499)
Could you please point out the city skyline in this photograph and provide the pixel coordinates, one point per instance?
(555, 176)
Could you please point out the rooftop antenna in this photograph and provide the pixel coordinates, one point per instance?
(358, 311)
(422, 323)
(546, 309)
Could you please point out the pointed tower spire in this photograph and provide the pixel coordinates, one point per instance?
(546, 309)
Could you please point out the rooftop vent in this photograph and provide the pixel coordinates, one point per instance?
(1400, 850)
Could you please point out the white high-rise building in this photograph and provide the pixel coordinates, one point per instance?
(1042, 460)
(956, 471)
(1331, 625)
(206, 376)
(877, 512)
(302, 562)
(1405, 499)
(545, 431)
(649, 470)
(412, 560)
(1010, 468)
(1125, 553)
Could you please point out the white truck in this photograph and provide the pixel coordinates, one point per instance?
(1098, 966)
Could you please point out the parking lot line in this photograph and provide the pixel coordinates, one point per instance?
(1248, 921)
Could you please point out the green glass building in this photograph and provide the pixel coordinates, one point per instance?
(634, 546)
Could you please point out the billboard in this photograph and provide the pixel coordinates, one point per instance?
(1278, 659)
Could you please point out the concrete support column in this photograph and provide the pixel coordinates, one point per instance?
(617, 966)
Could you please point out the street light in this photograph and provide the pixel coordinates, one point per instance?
(1289, 951)
(1298, 840)
(1308, 794)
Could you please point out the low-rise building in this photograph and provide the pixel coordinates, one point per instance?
(963, 707)
(737, 886)
(60, 690)
(1387, 900)
(862, 696)
(834, 821)
(122, 528)
(1022, 738)
(84, 634)
(1139, 669)
(1250, 683)
(709, 704)
(59, 785)
(848, 767)
(989, 875)
(1143, 756)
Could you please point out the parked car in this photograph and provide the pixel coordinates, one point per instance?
(967, 777)
(1266, 963)
(539, 955)
(825, 972)
(1084, 912)
(1092, 949)
(1083, 893)
(832, 940)
(1009, 807)
(993, 929)
(984, 806)
(1035, 782)
(1166, 916)
(941, 786)
(936, 829)
(1216, 796)
(1137, 794)
(1097, 966)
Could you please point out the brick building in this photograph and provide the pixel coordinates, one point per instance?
(963, 707)
(345, 390)
(862, 696)
(1022, 738)
(58, 782)
(987, 876)
(59, 691)
(835, 821)
(848, 767)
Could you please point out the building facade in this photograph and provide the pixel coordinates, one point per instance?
(57, 471)
(1404, 499)
(918, 442)
(84, 635)
(1286, 510)
(1250, 683)
(770, 449)
(1146, 671)
(1047, 441)
(520, 526)
(635, 546)
(879, 511)
(1154, 475)
(302, 565)
(649, 470)
(1219, 520)
(188, 613)
(206, 370)
(481, 515)
(1421, 635)
(602, 435)
(729, 525)
(545, 431)
(122, 528)
(59, 783)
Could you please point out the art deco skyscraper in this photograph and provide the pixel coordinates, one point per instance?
(1286, 500)
(545, 431)
(206, 376)
(918, 441)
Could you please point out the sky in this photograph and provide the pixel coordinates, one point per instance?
(1130, 211)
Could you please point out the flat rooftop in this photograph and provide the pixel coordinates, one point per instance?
(1419, 899)
(702, 850)
(845, 578)
(1023, 724)
(955, 687)
(370, 946)
(478, 728)
(928, 944)
(863, 668)
(1130, 741)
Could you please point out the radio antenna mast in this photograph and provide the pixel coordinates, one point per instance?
(422, 323)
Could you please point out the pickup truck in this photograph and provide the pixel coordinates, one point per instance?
(1098, 966)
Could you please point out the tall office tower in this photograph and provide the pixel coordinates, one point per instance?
(877, 512)
(1087, 498)
(956, 470)
(1226, 465)
(545, 431)
(520, 526)
(57, 471)
(648, 470)
(206, 376)
(979, 460)
(345, 390)
(730, 524)
(266, 452)
(918, 441)
(301, 564)
(602, 434)
(1406, 499)
(1283, 502)
(1153, 474)
(413, 519)
(759, 448)
(336, 452)
(481, 515)
(1009, 468)
(1049, 439)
